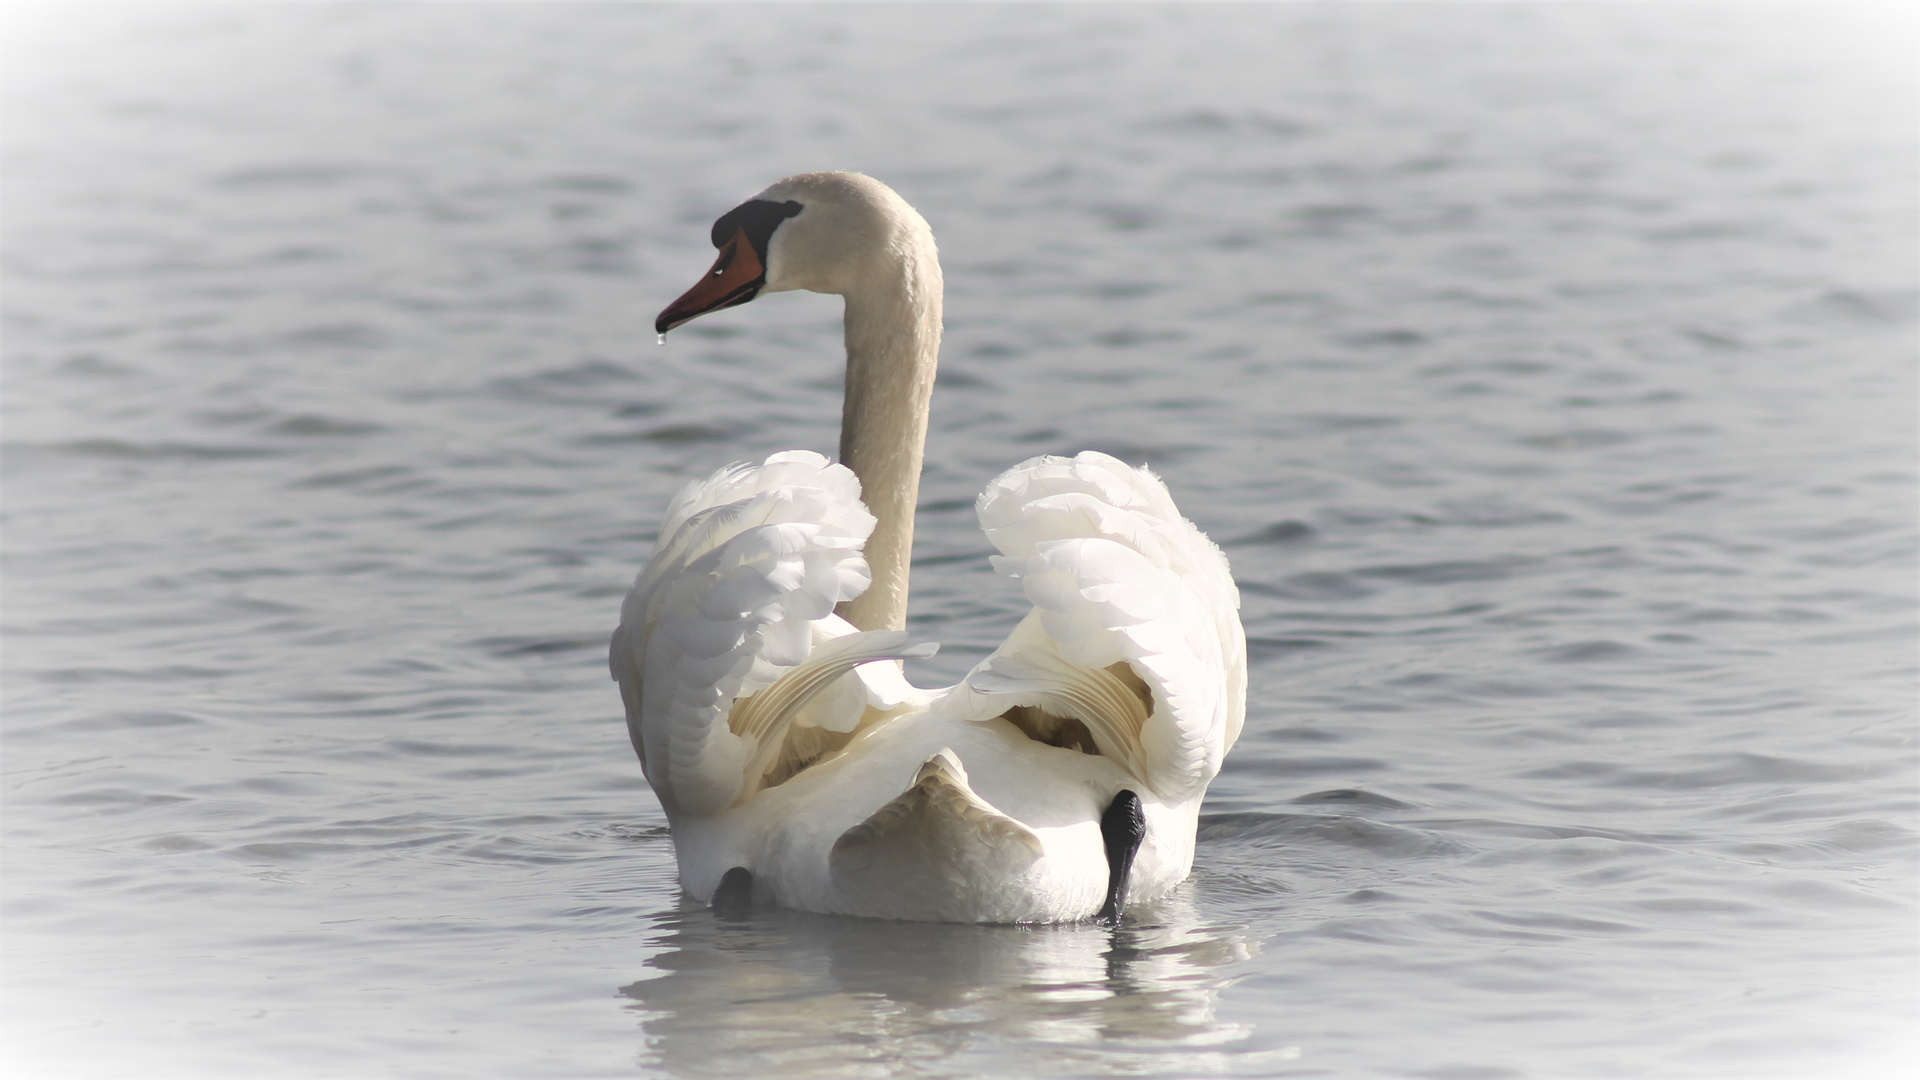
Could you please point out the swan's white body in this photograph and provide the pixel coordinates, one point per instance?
(778, 744)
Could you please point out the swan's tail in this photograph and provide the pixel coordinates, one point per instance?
(937, 847)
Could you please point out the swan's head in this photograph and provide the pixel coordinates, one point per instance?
(826, 232)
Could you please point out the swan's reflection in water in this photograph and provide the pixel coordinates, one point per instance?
(815, 995)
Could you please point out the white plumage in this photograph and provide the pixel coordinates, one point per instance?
(778, 744)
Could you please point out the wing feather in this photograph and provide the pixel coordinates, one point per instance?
(1116, 577)
(728, 638)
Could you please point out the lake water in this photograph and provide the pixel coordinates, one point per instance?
(1547, 372)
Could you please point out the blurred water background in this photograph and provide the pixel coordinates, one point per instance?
(1547, 372)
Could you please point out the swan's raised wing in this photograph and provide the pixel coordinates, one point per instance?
(729, 657)
(1135, 630)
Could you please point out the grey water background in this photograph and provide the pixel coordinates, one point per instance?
(1547, 373)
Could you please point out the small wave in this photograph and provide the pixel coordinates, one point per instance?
(1454, 571)
(1706, 230)
(176, 842)
(1574, 440)
(540, 646)
(448, 748)
(1504, 366)
(1333, 213)
(343, 335)
(1350, 797)
(1300, 733)
(1313, 585)
(1388, 339)
(1856, 836)
(1280, 532)
(1891, 307)
(1720, 340)
(1546, 926)
(1126, 218)
(1728, 770)
(348, 478)
(589, 184)
(511, 849)
(552, 383)
(92, 365)
(1587, 652)
(1205, 121)
(1527, 830)
(1490, 517)
(129, 720)
(1316, 300)
(163, 673)
(1124, 290)
(300, 175)
(1345, 831)
(1304, 766)
(637, 834)
(121, 449)
(311, 424)
(682, 434)
(1036, 435)
(1262, 648)
(116, 800)
(1335, 423)
(1126, 337)
(953, 378)
(287, 851)
(1482, 301)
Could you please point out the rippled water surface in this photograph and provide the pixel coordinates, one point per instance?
(1547, 373)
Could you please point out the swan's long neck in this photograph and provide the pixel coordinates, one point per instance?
(893, 345)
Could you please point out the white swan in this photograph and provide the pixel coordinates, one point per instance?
(1062, 777)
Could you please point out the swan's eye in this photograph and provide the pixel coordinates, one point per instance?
(726, 260)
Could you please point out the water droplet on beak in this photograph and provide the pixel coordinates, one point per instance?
(663, 338)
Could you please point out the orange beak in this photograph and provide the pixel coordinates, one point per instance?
(736, 278)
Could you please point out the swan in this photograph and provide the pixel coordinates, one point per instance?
(757, 652)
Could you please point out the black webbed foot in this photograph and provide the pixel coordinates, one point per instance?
(1123, 827)
(733, 900)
